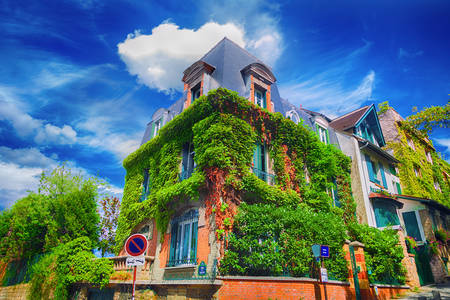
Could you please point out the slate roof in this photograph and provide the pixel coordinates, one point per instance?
(349, 120)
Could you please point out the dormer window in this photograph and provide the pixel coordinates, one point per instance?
(157, 127)
(195, 93)
(323, 134)
(260, 98)
(293, 116)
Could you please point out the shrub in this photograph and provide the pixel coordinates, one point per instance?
(271, 241)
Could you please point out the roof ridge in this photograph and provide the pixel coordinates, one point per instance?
(349, 113)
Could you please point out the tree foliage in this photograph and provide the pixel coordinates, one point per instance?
(68, 263)
(110, 207)
(430, 118)
(271, 241)
(383, 253)
(63, 209)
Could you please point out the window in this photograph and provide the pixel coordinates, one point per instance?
(437, 187)
(323, 134)
(334, 194)
(145, 186)
(260, 98)
(183, 240)
(393, 170)
(372, 168)
(187, 163)
(428, 154)
(397, 188)
(156, 126)
(412, 221)
(195, 93)
(385, 213)
(260, 164)
(293, 116)
(411, 143)
(417, 171)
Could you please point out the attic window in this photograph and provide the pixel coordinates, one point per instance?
(195, 93)
(260, 97)
(293, 116)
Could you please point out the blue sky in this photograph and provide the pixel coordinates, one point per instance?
(79, 80)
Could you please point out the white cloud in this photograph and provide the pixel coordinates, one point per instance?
(159, 59)
(28, 127)
(444, 142)
(29, 157)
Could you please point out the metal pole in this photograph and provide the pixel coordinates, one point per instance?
(134, 282)
(324, 283)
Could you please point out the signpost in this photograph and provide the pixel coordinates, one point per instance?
(202, 269)
(320, 252)
(135, 247)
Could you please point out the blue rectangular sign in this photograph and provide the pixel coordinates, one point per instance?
(324, 251)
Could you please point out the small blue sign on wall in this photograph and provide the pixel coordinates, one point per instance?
(202, 269)
(324, 251)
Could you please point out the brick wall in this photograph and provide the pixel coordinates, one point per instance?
(280, 288)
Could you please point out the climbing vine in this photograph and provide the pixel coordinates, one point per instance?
(224, 129)
(415, 160)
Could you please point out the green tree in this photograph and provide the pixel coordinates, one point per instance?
(110, 207)
(431, 117)
(63, 209)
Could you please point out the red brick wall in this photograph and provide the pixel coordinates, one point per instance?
(281, 288)
(203, 248)
(164, 252)
(254, 288)
(151, 250)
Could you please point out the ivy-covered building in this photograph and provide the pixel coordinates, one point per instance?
(424, 178)
(213, 150)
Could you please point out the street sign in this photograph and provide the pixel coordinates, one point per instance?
(323, 275)
(202, 269)
(133, 261)
(324, 251)
(316, 250)
(136, 245)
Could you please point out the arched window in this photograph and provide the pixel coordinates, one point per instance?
(292, 115)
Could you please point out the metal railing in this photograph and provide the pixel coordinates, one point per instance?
(184, 261)
(267, 177)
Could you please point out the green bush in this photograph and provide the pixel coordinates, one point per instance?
(271, 241)
(382, 252)
(69, 263)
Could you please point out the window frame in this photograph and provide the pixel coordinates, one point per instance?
(178, 240)
(194, 91)
(263, 96)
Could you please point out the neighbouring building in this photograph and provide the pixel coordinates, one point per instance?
(424, 178)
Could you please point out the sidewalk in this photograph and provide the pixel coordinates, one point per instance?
(427, 292)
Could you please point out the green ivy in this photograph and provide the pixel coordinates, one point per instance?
(422, 185)
(383, 253)
(270, 240)
(224, 128)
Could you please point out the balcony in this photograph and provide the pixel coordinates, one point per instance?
(267, 177)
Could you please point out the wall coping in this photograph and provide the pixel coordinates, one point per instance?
(283, 279)
(390, 286)
(203, 282)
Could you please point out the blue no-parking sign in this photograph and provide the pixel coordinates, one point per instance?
(136, 245)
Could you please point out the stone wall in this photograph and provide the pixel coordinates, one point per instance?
(14, 292)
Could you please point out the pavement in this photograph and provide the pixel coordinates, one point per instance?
(428, 292)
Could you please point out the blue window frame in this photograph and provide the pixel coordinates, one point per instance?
(260, 98)
(145, 186)
(187, 163)
(183, 240)
(385, 213)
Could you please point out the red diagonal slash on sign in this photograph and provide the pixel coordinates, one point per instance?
(134, 243)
